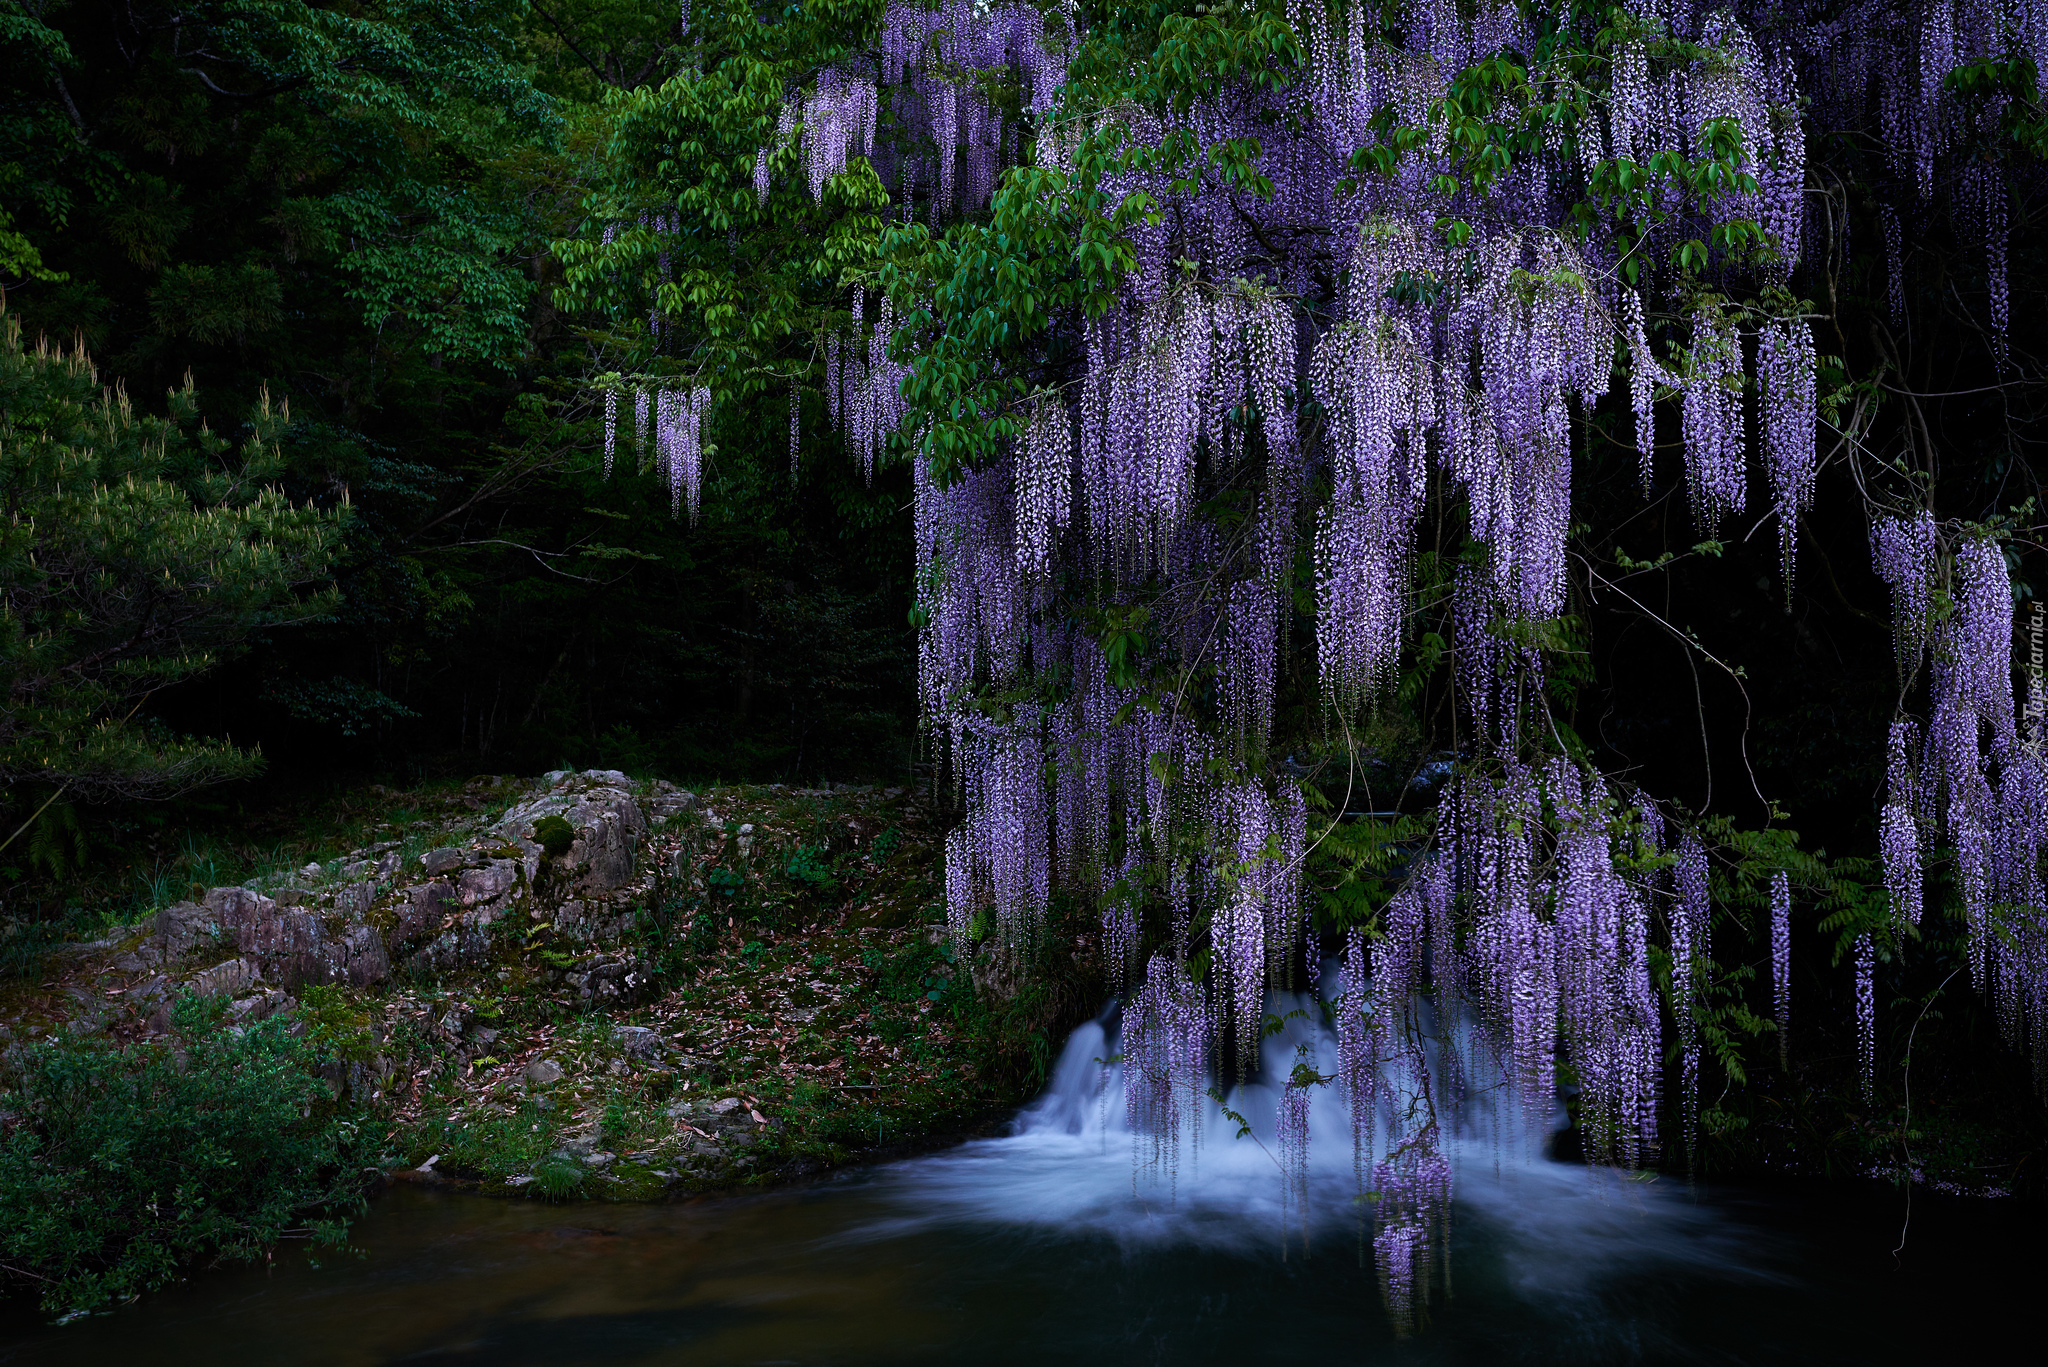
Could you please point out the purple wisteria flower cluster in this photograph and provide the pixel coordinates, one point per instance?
(1929, 126)
(863, 387)
(1781, 962)
(925, 71)
(1295, 374)
(1785, 379)
(1167, 1029)
(671, 422)
(1521, 945)
(1979, 786)
(1436, 368)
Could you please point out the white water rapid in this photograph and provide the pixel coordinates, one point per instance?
(1551, 1231)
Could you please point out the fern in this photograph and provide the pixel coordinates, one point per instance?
(57, 843)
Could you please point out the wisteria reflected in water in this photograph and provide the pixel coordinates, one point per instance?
(1056, 1243)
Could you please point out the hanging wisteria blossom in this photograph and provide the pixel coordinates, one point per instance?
(1785, 377)
(1781, 962)
(1337, 381)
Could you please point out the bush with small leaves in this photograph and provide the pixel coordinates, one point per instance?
(124, 1165)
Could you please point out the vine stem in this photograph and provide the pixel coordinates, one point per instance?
(1906, 1126)
(61, 789)
(65, 786)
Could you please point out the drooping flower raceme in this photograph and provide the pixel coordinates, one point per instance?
(1253, 423)
(1781, 961)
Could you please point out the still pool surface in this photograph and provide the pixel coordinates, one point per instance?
(1049, 1246)
(846, 1272)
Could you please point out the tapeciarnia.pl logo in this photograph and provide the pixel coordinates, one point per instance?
(2037, 687)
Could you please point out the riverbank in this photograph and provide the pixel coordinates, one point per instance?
(590, 987)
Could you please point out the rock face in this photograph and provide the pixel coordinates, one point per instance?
(480, 887)
(609, 824)
(261, 927)
(184, 927)
(230, 979)
(438, 910)
(440, 861)
(359, 957)
(421, 912)
(282, 944)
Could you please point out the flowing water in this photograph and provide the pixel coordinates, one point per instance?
(1055, 1245)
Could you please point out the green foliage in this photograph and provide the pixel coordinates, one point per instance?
(338, 115)
(57, 843)
(122, 1166)
(135, 553)
(919, 969)
(1846, 895)
(751, 287)
(490, 1146)
(1357, 867)
(349, 707)
(809, 869)
(557, 1179)
(337, 1025)
(614, 1126)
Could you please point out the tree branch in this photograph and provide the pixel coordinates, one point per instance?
(293, 84)
(563, 34)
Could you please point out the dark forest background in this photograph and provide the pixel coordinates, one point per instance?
(348, 209)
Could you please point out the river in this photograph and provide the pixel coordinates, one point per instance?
(1053, 1245)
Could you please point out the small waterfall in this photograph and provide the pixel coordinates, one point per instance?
(1071, 1159)
(1071, 1162)
(1071, 1166)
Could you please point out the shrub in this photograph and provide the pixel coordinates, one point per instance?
(124, 1165)
(807, 868)
(917, 969)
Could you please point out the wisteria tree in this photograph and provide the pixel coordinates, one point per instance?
(1270, 370)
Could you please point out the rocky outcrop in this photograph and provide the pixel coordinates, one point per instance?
(703, 951)
(611, 825)
(280, 941)
(183, 927)
(377, 909)
(439, 910)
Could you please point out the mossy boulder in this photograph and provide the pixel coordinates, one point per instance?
(554, 835)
